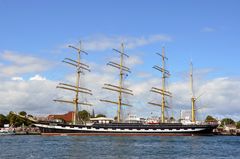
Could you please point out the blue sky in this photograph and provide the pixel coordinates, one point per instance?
(205, 31)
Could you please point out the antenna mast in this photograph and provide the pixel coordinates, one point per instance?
(80, 68)
(193, 99)
(123, 70)
(162, 91)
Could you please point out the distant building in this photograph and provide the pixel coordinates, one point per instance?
(40, 118)
(68, 117)
(153, 120)
(230, 128)
(134, 119)
(101, 120)
(186, 117)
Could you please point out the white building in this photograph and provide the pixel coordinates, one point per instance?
(101, 120)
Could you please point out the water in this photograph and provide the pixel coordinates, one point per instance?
(42, 147)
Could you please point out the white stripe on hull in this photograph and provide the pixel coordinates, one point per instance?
(92, 129)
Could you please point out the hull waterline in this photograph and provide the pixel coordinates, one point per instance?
(126, 130)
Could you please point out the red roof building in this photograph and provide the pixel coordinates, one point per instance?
(68, 117)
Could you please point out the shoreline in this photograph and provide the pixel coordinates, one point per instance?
(62, 134)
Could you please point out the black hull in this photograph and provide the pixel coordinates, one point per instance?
(127, 129)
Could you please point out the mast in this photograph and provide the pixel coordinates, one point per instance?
(123, 70)
(80, 69)
(163, 92)
(193, 98)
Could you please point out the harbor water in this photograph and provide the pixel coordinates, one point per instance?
(64, 147)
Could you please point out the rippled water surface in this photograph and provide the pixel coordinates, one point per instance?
(38, 147)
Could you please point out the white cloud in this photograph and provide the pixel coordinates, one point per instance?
(220, 96)
(37, 78)
(129, 62)
(208, 29)
(133, 61)
(103, 42)
(32, 96)
(35, 95)
(144, 74)
(18, 64)
(221, 99)
(17, 58)
(17, 78)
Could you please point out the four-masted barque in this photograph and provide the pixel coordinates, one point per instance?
(119, 126)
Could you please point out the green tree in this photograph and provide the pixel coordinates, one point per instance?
(238, 125)
(209, 118)
(172, 119)
(23, 113)
(3, 120)
(84, 116)
(227, 121)
(17, 121)
(29, 115)
(11, 118)
(100, 115)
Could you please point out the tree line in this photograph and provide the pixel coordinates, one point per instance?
(16, 121)
(85, 116)
(225, 121)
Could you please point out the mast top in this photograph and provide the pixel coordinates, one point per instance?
(191, 79)
(79, 50)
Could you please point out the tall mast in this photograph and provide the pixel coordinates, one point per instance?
(193, 99)
(123, 70)
(163, 85)
(120, 85)
(162, 91)
(80, 69)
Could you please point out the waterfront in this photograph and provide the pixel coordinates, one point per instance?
(118, 147)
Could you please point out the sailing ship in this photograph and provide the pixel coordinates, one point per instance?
(119, 126)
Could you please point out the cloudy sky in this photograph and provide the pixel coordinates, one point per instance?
(34, 37)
